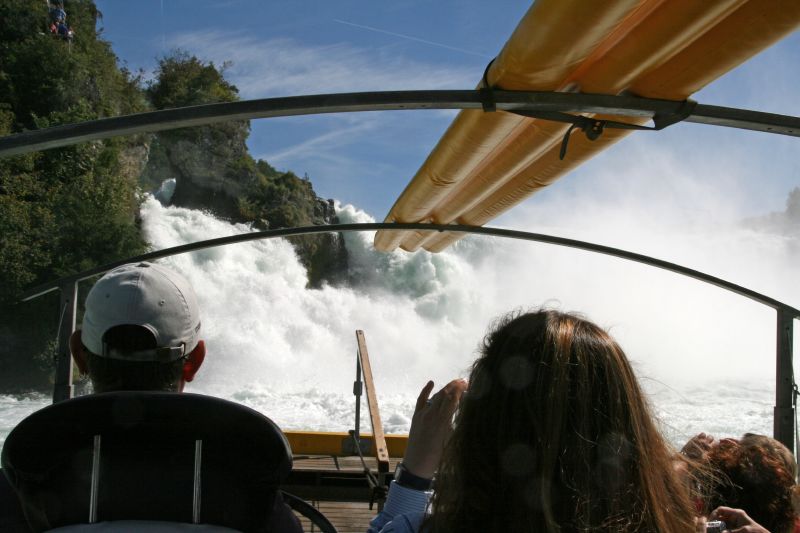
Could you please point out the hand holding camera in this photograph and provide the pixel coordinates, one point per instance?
(726, 519)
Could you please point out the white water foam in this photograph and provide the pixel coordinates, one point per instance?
(289, 351)
(706, 357)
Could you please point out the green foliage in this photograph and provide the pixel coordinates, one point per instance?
(41, 73)
(26, 223)
(184, 80)
(282, 200)
(67, 209)
(242, 166)
(61, 210)
(278, 199)
(266, 170)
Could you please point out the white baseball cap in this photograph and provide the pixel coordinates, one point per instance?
(146, 295)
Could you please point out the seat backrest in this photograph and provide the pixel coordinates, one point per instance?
(147, 460)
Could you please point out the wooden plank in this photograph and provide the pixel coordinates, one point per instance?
(347, 517)
(321, 478)
(381, 450)
(325, 463)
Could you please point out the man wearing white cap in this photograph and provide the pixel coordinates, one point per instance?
(140, 331)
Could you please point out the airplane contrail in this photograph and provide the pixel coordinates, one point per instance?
(163, 39)
(410, 38)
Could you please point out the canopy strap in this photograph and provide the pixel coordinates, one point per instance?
(593, 128)
(486, 91)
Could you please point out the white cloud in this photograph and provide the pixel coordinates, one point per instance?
(324, 143)
(285, 66)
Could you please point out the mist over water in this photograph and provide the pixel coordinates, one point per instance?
(705, 356)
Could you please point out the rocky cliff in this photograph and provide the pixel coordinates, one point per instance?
(214, 171)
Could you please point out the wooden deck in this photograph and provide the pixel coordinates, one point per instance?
(337, 487)
(348, 517)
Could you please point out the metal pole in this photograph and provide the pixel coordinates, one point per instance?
(784, 414)
(358, 388)
(95, 485)
(514, 101)
(196, 492)
(62, 388)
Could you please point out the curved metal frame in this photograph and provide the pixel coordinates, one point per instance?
(476, 230)
(489, 100)
(784, 413)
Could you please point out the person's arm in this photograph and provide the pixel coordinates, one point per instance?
(403, 511)
(736, 520)
(431, 425)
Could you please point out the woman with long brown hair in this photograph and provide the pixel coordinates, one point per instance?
(554, 435)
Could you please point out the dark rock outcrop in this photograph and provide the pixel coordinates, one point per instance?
(214, 172)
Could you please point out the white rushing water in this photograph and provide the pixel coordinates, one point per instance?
(706, 357)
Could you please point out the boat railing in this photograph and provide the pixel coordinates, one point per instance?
(784, 410)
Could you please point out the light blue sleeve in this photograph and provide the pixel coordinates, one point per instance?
(403, 512)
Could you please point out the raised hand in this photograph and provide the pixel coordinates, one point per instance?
(431, 425)
(737, 520)
(698, 446)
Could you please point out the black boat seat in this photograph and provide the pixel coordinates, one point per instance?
(141, 526)
(157, 457)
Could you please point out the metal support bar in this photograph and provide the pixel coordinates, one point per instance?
(358, 389)
(514, 101)
(62, 388)
(95, 480)
(355, 445)
(460, 228)
(196, 485)
(784, 414)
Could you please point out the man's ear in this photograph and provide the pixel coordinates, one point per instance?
(193, 361)
(78, 352)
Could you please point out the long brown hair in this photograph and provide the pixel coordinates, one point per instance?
(554, 435)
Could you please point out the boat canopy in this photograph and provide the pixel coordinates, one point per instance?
(486, 163)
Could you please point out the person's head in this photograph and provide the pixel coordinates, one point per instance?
(140, 331)
(554, 434)
(757, 475)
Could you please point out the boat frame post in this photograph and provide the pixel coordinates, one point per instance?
(62, 388)
(358, 390)
(378, 437)
(784, 413)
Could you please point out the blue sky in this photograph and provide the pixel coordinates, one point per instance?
(280, 48)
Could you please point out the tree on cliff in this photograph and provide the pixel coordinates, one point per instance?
(211, 163)
(61, 205)
(182, 80)
(61, 210)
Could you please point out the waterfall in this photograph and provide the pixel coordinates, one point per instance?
(705, 356)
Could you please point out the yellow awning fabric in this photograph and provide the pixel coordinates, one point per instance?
(486, 163)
